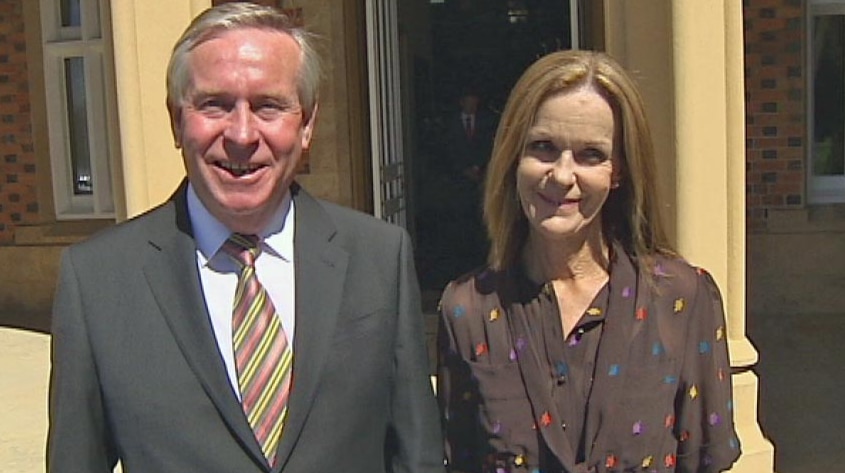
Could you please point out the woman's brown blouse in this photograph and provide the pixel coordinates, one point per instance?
(642, 384)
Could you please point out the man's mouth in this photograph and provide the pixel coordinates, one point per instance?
(238, 169)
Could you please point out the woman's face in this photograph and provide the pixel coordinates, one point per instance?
(569, 165)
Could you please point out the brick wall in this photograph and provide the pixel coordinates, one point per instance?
(18, 199)
(775, 108)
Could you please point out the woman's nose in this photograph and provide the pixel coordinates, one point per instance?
(563, 169)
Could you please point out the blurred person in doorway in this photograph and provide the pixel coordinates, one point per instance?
(466, 146)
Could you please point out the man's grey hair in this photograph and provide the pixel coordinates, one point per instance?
(240, 15)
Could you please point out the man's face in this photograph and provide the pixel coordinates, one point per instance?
(469, 103)
(241, 126)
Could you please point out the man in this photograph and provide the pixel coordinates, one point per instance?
(173, 333)
(468, 142)
(469, 137)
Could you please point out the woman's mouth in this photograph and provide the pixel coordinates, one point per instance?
(559, 201)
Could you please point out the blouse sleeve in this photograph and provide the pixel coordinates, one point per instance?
(705, 426)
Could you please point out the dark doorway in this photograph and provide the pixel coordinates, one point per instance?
(449, 49)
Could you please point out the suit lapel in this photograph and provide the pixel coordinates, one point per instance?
(173, 279)
(320, 266)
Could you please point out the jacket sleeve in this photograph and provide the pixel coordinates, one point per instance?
(79, 438)
(414, 431)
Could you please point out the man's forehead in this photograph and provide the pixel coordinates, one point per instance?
(242, 31)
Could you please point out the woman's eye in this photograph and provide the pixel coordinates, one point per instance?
(541, 146)
(592, 156)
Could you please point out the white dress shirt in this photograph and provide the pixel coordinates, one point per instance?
(468, 120)
(219, 273)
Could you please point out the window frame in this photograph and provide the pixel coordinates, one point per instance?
(820, 189)
(91, 41)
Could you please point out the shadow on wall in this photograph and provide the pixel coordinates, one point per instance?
(796, 272)
(27, 285)
(33, 322)
(796, 319)
(801, 357)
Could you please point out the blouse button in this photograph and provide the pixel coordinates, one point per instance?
(561, 380)
(563, 425)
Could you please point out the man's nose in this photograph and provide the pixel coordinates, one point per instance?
(241, 128)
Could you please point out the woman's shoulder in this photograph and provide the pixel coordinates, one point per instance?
(470, 292)
(676, 277)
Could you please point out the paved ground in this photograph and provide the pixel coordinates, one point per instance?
(802, 381)
(24, 366)
(801, 386)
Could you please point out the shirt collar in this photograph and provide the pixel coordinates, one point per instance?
(210, 233)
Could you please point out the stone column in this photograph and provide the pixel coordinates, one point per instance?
(144, 32)
(704, 171)
(710, 136)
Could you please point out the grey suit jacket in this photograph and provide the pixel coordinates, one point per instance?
(137, 375)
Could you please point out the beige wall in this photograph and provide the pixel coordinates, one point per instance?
(641, 40)
(144, 32)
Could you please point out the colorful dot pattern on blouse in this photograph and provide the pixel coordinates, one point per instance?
(619, 397)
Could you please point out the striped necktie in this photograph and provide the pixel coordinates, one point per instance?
(263, 357)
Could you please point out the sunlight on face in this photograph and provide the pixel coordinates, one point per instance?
(241, 125)
(565, 173)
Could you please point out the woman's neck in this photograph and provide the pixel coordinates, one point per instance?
(567, 259)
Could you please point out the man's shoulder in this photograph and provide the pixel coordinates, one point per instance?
(139, 228)
(347, 219)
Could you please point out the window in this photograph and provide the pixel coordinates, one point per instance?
(826, 104)
(79, 83)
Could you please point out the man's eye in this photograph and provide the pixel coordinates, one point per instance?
(212, 105)
(267, 107)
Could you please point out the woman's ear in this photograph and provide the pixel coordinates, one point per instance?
(615, 180)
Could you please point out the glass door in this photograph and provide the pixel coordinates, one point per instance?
(458, 60)
(440, 72)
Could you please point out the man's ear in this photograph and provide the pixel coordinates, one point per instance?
(175, 112)
(308, 127)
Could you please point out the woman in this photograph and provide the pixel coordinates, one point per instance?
(587, 344)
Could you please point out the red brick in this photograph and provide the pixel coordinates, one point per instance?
(14, 100)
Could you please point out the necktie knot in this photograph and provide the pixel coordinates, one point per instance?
(244, 249)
